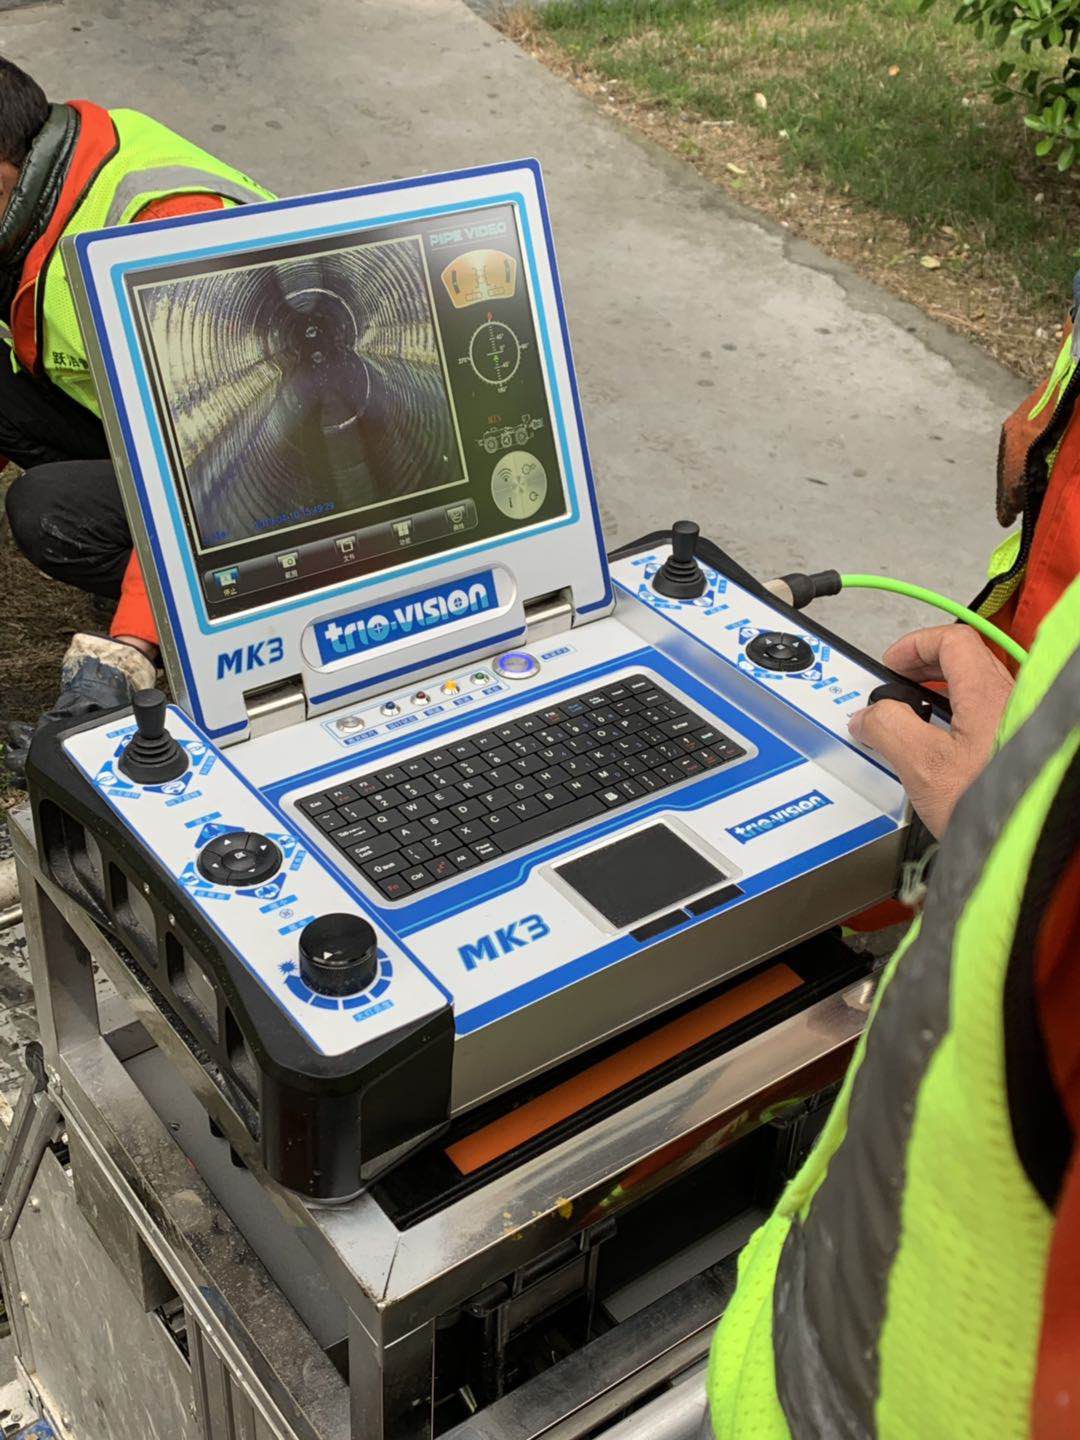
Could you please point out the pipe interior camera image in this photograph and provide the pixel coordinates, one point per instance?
(305, 387)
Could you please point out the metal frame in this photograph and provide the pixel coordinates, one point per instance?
(394, 1284)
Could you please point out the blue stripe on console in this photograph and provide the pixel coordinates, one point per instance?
(586, 965)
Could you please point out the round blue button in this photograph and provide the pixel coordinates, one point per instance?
(516, 665)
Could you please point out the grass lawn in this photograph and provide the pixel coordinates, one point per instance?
(868, 111)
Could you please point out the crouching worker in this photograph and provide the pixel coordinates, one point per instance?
(920, 1276)
(67, 168)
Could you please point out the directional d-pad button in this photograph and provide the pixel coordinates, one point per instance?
(239, 858)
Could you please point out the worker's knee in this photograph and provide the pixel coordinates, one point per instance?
(23, 505)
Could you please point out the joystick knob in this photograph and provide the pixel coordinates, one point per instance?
(681, 577)
(909, 695)
(152, 755)
(338, 954)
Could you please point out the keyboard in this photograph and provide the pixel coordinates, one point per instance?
(466, 803)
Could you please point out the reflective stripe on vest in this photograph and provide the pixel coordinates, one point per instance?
(168, 180)
(149, 163)
(833, 1279)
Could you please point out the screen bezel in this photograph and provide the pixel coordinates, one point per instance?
(566, 553)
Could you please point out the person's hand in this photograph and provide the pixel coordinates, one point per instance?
(936, 766)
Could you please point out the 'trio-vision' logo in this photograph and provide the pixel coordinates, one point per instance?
(363, 630)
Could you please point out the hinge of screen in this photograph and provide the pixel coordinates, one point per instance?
(274, 707)
(548, 614)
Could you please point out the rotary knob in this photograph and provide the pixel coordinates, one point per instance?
(773, 650)
(338, 954)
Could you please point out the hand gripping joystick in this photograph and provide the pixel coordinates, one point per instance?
(152, 756)
(681, 577)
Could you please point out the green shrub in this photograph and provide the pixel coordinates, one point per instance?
(1048, 85)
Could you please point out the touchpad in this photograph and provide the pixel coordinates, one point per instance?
(647, 871)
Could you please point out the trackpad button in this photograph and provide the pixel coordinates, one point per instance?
(650, 870)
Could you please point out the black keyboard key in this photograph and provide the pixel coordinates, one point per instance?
(467, 809)
(341, 795)
(396, 888)
(506, 733)
(555, 776)
(315, 804)
(527, 809)
(439, 820)
(682, 725)
(420, 877)
(527, 745)
(486, 850)
(528, 765)
(520, 788)
(487, 742)
(437, 759)
(499, 819)
(611, 798)
(363, 830)
(417, 854)
(580, 785)
(670, 774)
(471, 832)
(631, 789)
(442, 842)
(386, 799)
(463, 859)
(688, 765)
(417, 809)
(393, 776)
(573, 708)
(387, 820)
(549, 823)
(637, 683)
(366, 785)
(474, 786)
(462, 749)
(416, 767)
(502, 774)
(373, 849)
(330, 820)
(387, 865)
(356, 810)
(415, 789)
(556, 754)
(495, 799)
(410, 834)
(441, 868)
(554, 796)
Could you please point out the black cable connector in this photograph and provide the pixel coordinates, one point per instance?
(803, 588)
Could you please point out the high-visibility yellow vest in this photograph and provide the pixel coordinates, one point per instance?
(896, 1292)
(129, 160)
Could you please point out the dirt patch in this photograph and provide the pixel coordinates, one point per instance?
(945, 275)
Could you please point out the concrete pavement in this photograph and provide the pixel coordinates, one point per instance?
(803, 417)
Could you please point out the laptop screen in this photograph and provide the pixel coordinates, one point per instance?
(339, 407)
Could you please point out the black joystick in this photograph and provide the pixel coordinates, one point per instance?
(909, 695)
(152, 756)
(338, 954)
(681, 577)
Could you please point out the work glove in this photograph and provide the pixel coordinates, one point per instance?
(96, 674)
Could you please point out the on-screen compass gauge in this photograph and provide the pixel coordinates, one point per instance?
(494, 353)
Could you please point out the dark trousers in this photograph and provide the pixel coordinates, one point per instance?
(65, 510)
